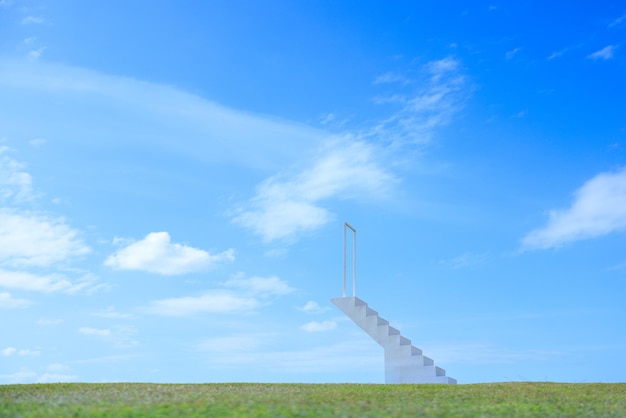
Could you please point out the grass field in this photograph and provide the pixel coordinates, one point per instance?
(312, 400)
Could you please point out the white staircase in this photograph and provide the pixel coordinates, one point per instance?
(404, 363)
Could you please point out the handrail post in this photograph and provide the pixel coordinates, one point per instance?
(346, 225)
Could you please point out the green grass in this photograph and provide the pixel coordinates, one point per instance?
(308, 400)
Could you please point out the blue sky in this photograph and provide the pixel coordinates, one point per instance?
(174, 181)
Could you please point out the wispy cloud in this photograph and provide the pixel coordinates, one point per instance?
(119, 336)
(618, 21)
(464, 260)
(47, 283)
(34, 54)
(22, 376)
(259, 286)
(599, 208)
(9, 302)
(99, 332)
(30, 376)
(557, 54)
(391, 77)
(111, 312)
(157, 254)
(15, 182)
(248, 295)
(33, 20)
(353, 166)
(484, 353)
(315, 326)
(285, 206)
(332, 360)
(233, 343)
(510, 54)
(422, 106)
(327, 118)
(12, 351)
(181, 123)
(56, 378)
(605, 53)
(215, 301)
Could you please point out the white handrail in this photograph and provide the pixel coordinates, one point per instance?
(346, 225)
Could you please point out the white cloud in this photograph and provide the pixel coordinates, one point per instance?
(215, 301)
(45, 283)
(9, 302)
(286, 207)
(23, 376)
(9, 351)
(599, 208)
(315, 326)
(156, 254)
(15, 182)
(605, 53)
(28, 239)
(260, 286)
(313, 308)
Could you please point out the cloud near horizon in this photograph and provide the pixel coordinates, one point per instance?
(599, 208)
(157, 254)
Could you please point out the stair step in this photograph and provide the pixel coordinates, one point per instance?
(428, 361)
(393, 331)
(370, 312)
(382, 321)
